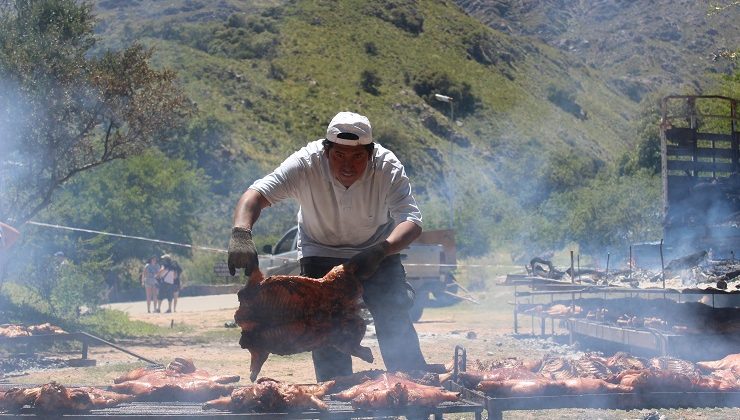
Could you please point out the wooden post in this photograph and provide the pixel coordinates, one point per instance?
(608, 254)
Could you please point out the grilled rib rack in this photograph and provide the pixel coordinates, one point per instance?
(495, 406)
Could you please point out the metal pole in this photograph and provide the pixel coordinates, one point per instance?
(572, 270)
(662, 264)
(450, 175)
(452, 172)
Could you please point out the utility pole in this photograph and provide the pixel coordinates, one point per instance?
(450, 172)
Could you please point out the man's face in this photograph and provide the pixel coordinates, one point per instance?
(347, 163)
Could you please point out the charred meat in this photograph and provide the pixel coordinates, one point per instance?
(269, 395)
(54, 397)
(392, 390)
(179, 381)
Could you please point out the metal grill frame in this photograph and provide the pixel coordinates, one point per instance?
(495, 406)
(191, 410)
(614, 401)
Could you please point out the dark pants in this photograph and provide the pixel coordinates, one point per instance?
(388, 297)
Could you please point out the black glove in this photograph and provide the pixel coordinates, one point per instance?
(367, 262)
(242, 252)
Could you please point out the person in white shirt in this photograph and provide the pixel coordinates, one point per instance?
(355, 204)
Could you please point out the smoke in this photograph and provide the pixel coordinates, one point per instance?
(15, 115)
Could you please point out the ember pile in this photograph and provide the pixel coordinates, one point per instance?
(17, 330)
(660, 314)
(594, 374)
(695, 271)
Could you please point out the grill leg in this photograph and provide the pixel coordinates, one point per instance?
(542, 326)
(84, 349)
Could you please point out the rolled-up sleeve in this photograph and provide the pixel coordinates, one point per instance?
(282, 183)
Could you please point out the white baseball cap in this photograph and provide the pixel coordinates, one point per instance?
(349, 129)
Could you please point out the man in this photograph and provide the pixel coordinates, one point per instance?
(355, 203)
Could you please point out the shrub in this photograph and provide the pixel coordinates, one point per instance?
(428, 83)
(370, 81)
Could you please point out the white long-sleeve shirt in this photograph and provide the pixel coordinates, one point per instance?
(335, 221)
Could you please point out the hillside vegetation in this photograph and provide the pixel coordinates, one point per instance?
(639, 47)
(274, 76)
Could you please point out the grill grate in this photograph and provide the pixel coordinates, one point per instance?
(626, 401)
(182, 410)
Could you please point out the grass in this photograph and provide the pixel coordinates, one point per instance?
(320, 69)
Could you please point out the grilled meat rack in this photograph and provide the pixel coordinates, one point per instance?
(186, 410)
(495, 406)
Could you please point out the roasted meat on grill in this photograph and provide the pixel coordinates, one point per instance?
(292, 314)
(622, 361)
(471, 379)
(655, 380)
(589, 386)
(17, 330)
(731, 362)
(516, 387)
(53, 397)
(558, 368)
(179, 381)
(392, 390)
(269, 395)
(179, 366)
(173, 388)
(544, 386)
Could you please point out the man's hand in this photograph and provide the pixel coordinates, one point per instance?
(368, 261)
(242, 253)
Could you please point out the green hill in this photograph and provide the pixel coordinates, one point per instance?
(271, 74)
(639, 47)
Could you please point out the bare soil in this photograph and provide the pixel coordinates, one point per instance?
(484, 330)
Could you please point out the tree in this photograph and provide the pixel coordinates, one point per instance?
(607, 213)
(647, 153)
(63, 111)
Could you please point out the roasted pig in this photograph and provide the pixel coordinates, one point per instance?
(178, 367)
(268, 395)
(392, 390)
(53, 397)
(731, 362)
(292, 314)
(179, 381)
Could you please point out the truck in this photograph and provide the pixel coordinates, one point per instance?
(430, 262)
(700, 156)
